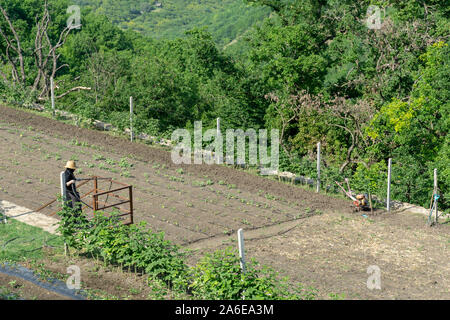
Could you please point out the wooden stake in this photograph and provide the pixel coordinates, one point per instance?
(318, 168)
(388, 204)
(66, 249)
(348, 185)
(241, 249)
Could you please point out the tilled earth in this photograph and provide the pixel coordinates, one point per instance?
(313, 238)
(17, 288)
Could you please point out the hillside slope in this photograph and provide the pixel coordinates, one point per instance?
(225, 19)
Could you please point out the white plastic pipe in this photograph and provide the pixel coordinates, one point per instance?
(435, 191)
(63, 186)
(131, 118)
(218, 155)
(388, 201)
(318, 168)
(241, 249)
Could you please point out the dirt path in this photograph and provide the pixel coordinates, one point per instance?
(27, 216)
(313, 238)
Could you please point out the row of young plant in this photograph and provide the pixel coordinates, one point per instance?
(136, 248)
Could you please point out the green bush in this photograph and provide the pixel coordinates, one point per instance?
(371, 179)
(17, 94)
(218, 276)
(132, 247)
(70, 225)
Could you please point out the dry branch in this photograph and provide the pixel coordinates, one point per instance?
(72, 90)
(45, 53)
(17, 49)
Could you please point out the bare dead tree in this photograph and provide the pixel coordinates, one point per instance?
(45, 54)
(354, 116)
(17, 48)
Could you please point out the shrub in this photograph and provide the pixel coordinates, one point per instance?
(218, 276)
(132, 247)
(70, 225)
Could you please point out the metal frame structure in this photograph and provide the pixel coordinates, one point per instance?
(96, 193)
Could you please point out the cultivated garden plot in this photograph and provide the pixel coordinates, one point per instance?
(186, 206)
(313, 238)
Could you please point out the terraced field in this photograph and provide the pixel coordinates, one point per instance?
(313, 238)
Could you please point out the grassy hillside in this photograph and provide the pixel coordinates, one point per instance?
(225, 19)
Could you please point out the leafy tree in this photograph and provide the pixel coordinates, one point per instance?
(312, 69)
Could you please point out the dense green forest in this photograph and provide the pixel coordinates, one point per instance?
(313, 69)
(169, 19)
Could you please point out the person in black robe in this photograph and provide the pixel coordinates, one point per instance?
(72, 197)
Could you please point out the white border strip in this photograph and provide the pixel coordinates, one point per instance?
(29, 217)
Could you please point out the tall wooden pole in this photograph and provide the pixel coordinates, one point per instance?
(388, 205)
(131, 118)
(318, 167)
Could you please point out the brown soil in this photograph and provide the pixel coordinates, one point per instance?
(331, 252)
(22, 289)
(204, 206)
(203, 202)
(100, 282)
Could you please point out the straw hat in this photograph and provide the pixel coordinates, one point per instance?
(70, 165)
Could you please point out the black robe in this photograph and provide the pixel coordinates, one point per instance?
(71, 196)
